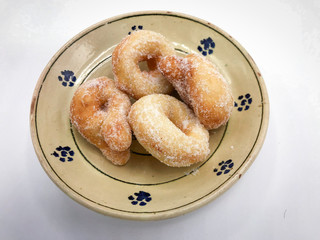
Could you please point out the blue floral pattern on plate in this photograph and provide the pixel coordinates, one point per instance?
(224, 167)
(141, 198)
(67, 79)
(207, 46)
(63, 154)
(135, 28)
(244, 102)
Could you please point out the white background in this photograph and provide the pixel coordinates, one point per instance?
(278, 197)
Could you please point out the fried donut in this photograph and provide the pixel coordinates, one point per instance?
(169, 130)
(141, 46)
(99, 112)
(201, 86)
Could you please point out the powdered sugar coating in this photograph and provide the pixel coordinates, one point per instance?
(201, 86)
(169, 130)
(140, 46)
(99, 112)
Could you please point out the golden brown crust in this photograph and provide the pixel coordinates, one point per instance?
(201, 86)
(169, 130)
(141, 46)
(99, 112)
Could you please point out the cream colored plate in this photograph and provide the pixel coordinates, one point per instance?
(144, 188)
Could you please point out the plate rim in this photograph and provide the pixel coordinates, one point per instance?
(167, 213)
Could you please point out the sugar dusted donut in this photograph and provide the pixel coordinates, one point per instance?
(141, 46)
(99, 112)
(169, 130)
(201, 86)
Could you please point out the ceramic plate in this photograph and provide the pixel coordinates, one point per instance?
(145, 188)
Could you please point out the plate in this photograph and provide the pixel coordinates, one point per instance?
(146, 189)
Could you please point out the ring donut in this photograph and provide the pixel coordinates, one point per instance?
(201, 86)
(141, 46)
(169, 130)
(99, 112)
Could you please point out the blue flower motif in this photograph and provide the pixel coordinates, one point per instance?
(136, 28)
(207, 46)
(225, 167)
(141, 198)
(244, 102)
(68, 78)
(63, 153)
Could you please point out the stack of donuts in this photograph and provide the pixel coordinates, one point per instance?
(174, 131)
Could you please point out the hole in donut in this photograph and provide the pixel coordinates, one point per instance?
(143, 65)
(104, 107)
(148, 64)
(179, 123)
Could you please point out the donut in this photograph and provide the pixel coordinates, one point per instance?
(98, 110)
(169, 130)
(142, 45)
(201, 86)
